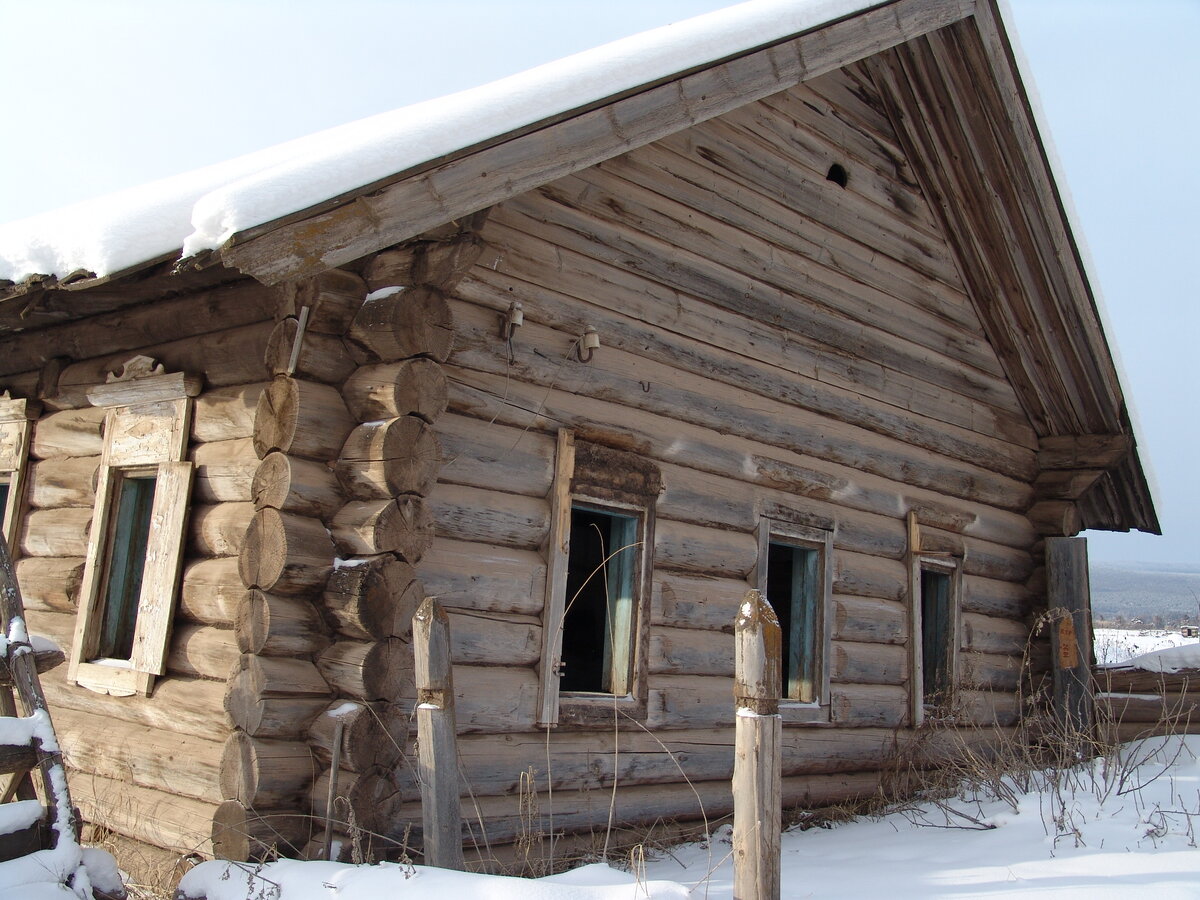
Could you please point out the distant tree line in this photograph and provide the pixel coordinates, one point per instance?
(1170, 619)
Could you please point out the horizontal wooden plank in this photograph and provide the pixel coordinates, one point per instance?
(735, 455)
(178, 823)
(622, 376)
(719, 282)
(147, 324)
(483, 576)
(776, 330)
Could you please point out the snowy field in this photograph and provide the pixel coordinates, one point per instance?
(1118, 828)
(1117, 645)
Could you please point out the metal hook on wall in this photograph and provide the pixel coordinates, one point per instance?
(589, 341)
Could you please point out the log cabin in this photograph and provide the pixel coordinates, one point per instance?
(792, 302)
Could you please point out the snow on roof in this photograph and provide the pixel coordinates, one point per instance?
(201, 210)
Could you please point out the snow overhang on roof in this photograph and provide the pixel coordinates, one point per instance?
(323, 201)
(206, 209)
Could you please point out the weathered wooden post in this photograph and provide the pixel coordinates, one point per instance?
(437, 745)
(758, 734)
(1068, 590)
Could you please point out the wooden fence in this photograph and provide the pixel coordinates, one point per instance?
(1133, 703)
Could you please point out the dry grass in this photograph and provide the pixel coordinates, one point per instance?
(150, 873)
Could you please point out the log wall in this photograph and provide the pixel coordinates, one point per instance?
(778, 346)
(148, 767)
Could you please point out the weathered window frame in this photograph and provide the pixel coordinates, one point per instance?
(594, 477)
(950, 566)
(16, 415)
(819, 540)
(146, 425)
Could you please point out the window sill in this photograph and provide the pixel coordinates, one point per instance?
(116, 678)
(599, 710)
(804, 713)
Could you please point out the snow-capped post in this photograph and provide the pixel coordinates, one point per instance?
(1068, 594)
(437, 746)
(758, 735)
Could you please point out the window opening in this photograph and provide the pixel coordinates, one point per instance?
(5, 487)
(794, 592)
(935, 635)
(125, 563)
(598, 625)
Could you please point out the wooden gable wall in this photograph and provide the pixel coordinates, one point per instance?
(776, 345)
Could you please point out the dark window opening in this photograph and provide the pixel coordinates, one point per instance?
(935, 635)
(838, 175)
(128, 538)
(5, 486)
(598, 625)
(794, 594)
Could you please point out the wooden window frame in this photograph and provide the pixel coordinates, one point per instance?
(776, 531)
(146, 426)
(950, 565)
(16, 415)
(580, 482)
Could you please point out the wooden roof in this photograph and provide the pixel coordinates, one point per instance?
(950, 80)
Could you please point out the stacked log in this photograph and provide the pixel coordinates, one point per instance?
(285, 557)
(386, 468)
(338, 518)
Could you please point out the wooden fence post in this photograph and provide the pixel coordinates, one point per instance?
(437, 744)
(1068, 590)
(758, 735)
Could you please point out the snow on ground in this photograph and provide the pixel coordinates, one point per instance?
(1115, 828)
(1118, 645)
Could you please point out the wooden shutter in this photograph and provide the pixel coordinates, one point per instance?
(164, 561)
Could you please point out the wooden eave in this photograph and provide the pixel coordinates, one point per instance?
(956, 99)
(43, 302)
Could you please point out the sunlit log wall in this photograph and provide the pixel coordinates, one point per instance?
(774, 343)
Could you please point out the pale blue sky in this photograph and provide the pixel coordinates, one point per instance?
(99, 95)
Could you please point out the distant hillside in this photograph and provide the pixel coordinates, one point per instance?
(1145, 591)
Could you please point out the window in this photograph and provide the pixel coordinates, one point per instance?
(793, 594)
(15, 432)
(795, 576)
(597, 584)
(934, 592)
(124, 562)
(935, 635)
(135, 547)
(601, 600)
